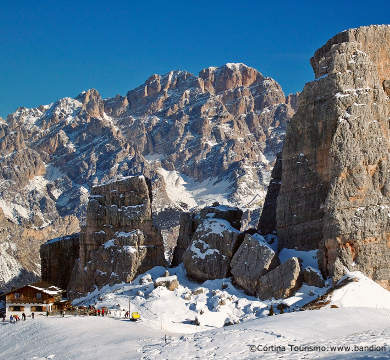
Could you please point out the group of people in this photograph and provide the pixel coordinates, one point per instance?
(15, 318)
(98, 312)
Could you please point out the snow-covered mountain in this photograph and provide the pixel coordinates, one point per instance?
(200, 139)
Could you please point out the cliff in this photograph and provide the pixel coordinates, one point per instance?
(119, 240)
(267, 221)
(335, 184)
(58, 257)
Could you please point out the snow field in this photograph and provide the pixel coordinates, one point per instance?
(313, 334)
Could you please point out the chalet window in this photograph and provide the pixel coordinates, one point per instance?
(16, 308)
(17, 295)
(38, 308)
(39, 295)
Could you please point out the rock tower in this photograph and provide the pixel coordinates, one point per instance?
(119, 240)
(335, 191)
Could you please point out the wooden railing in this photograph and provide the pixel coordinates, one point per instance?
(29, 300)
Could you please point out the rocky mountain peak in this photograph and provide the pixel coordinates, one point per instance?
(292, 100)
(229, 77)
(373, 40)
(90, 95)
(222, 128)
(92, 103)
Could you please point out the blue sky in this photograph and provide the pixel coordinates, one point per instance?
(53, 49)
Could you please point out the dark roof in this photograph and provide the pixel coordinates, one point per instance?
(43, 286)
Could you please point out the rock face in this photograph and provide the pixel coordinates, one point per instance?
(253, 259)
(281, 282)
(211, 250)
(224, 127)
(292, 100)
(119, 240)
(335, 183)
(312, 277)
(19, 248)
(58, 257)
(189, 222)
(267, 221)
(212, 242)
(188, 225)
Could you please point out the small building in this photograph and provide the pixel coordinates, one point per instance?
(38, 298)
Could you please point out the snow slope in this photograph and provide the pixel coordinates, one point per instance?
(213, 303)
(301, 335)
(359, 329)
(361, 292)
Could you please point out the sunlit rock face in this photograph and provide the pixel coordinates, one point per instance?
(119, 240)
(334, 191)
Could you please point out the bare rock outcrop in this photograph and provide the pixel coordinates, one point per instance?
(189, 222)
(119, 240)
(170, 282)
(253, 259)
(208, 240)
(58, 257)
(292, 100)
(313, 277)
(281, 282)
(335, 184)
(187, 228)
(212, 248)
